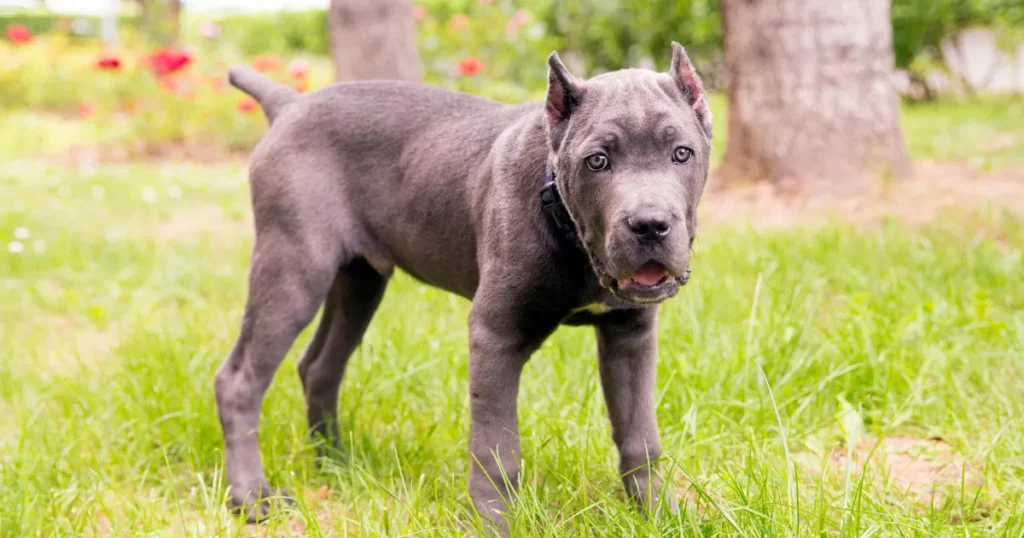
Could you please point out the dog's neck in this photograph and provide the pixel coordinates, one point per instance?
(556, 213)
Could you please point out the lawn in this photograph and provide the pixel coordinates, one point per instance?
(794, 351)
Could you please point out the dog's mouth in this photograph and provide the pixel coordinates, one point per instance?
(649, 275)
(651, 283)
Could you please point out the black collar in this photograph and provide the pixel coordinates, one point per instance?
(553, 207)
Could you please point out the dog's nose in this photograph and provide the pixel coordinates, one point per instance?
(650, 226)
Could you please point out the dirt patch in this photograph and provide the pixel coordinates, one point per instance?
(295, 526)
(325, 513)
(690, 498)
(186, 519)
(195, 152)
(923, 471)
(70, 344)
(194, 222)
(934, 189)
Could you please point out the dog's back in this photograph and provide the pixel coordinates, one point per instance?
(381, 141)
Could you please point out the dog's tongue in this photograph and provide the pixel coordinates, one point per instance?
(648, 274)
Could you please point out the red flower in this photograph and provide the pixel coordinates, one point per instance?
(247, 105)
(217, 83)
(298, 68)
(19, 34)
(86, 110)
(108, 61)
(470, 66)
(166, 61)
(419, 12)
(265, 64)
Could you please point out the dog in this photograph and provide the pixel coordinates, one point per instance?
(578, 210)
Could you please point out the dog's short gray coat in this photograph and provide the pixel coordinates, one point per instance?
(357, 178)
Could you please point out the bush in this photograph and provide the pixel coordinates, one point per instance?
(488, 50)
(149, 106)
(920, 26)
(606, 34)
(283, 33)
(510, 46)
(75, 28)
(481, 46)
(613, 35)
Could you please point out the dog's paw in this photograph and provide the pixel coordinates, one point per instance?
(493, 519)
(260, 502)
(656, 505)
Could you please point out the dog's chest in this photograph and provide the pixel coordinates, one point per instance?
(600, 303)
(595, 308)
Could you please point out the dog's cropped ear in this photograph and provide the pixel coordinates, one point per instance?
(563, 96)
(689, 82)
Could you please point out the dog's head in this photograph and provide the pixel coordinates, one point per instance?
(630, 150)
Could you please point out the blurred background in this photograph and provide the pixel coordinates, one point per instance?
(152, 71)
(845, 362)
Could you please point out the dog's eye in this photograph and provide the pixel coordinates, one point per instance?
(597, 162)
(681, 155)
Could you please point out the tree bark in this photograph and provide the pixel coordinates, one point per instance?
(373, 39)
(161, 19)
(174, 16)
(812, 104)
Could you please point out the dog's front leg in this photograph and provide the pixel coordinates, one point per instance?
(500, 344)
(628, 351)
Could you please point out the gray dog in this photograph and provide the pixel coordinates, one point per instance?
(578, 211)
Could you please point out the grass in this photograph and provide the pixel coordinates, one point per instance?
(127, 293)
(984, 132)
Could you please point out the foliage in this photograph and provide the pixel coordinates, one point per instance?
(74, 28)
(510, 44)
(508, 48)
(610, 34)
(919, 26)
(158, 20)
(155, 96)
(605, 35)
(151, 97)
(281, 33)
(485, 47)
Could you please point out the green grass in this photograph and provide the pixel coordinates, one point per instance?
(984, 132)
(127, 294)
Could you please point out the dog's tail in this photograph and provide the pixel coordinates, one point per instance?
(273, 97)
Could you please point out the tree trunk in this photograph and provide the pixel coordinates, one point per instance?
(174, 21)
(161, 20)
(373, 39)
(812, 104)
(108, 25)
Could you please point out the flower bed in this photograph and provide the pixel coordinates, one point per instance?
(158, 96)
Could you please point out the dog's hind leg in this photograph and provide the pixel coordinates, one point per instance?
(354, 297)
(293, 264)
